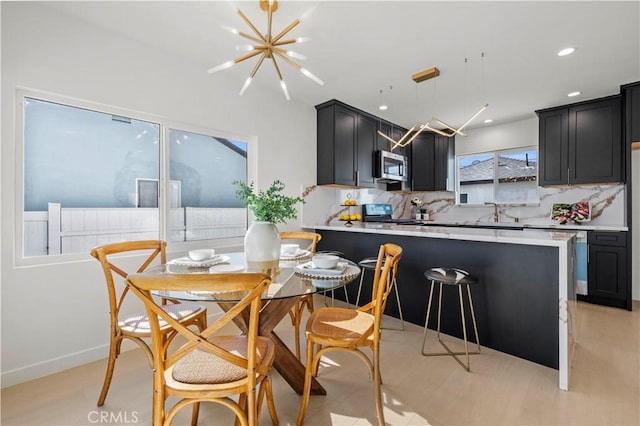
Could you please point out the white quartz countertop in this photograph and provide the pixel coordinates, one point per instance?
(585, 226)
(536, 237)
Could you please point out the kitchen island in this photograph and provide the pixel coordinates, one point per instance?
(525, 298)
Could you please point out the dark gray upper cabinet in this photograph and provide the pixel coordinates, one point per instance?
(581, 143)
(422, 163)
(345, 145)
(632, 111)
(444, 164)
(432, 159)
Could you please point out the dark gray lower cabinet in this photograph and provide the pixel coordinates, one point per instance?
(515, 300)
(608, 282)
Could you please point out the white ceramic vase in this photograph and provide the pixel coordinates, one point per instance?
(262, 247)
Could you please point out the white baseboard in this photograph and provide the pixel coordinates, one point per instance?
(76, 359)
(52, 366)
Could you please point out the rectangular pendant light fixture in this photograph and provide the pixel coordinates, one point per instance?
(425, 74)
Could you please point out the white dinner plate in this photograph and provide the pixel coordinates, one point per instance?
(226, 268)
(185, 261)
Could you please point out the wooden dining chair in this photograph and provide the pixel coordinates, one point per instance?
(312, 239)
(135, 327)
(212, 365)
(344, 329)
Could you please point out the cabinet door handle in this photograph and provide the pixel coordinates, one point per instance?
(568, 176)
(357, 177)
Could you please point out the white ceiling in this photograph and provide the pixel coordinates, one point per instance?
(360, 48)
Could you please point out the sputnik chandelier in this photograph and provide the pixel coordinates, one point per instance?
(449, 130)
(268, 46)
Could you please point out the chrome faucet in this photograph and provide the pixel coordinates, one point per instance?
(496, 217)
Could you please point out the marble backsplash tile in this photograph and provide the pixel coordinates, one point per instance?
(323, 205)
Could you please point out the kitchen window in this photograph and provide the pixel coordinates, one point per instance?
(92, 176)
(505, 177)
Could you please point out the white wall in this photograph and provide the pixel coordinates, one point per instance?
(516, 134)
(54, 316)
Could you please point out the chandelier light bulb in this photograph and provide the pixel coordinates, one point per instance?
(246, 84)
(221, 67)
(308, 73)
(284, 89)
(244, 48)
(296, 55)
(302, 39)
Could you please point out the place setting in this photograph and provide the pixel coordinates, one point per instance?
(293, 253)
(327, 266)
(204, 258)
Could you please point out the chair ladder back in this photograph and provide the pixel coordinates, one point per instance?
(141, 285)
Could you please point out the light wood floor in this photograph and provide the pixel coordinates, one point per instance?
(417, 390)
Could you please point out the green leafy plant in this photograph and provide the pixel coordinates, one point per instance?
(268, 205)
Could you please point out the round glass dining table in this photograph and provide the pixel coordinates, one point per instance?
(287, 280)
(291, 279)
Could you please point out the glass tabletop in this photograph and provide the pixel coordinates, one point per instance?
(291, 278)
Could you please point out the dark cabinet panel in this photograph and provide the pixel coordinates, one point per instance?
(632, 111)
(581, 143)
(553, 147)
(365, 147)
(432, 162)
(345, 147)
(422, 163)
(444, 163)
(595, 142)
(608, 279)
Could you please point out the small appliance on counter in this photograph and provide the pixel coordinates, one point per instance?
(383, 213)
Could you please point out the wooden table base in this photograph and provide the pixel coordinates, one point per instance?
(286, 363)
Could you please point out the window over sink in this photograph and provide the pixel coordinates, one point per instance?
(505, 176)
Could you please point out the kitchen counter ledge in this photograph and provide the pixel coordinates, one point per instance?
(536, 237)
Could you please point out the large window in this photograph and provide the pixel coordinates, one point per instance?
(92, 177)
(507, 177)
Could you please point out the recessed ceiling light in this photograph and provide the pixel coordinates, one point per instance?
(383, 107)
(566, 51)
(572, 94)
(487, 121)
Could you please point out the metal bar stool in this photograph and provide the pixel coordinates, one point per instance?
(459, 278)
(369, 264)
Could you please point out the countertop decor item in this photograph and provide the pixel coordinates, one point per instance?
(571, 213)
(269, 207)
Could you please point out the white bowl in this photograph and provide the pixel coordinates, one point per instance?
(289, 248)
(325, 261)
(201, 254)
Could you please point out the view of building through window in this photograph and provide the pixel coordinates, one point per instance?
(92, 177)
(500, 177)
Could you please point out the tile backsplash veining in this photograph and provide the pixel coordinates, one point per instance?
(323, 205)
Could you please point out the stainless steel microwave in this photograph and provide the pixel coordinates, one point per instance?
(390, 166)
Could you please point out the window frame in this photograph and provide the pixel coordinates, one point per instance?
(164, 159)
(496, 153)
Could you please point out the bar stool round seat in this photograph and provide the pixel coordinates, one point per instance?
(369, 264)
(461, 279)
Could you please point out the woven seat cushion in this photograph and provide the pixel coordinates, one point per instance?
(140, 321)
(450, 276)
(200, 367)
(340, 323)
